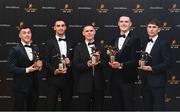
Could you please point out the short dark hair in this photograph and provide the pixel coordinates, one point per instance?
(126, 16)
(24, 26)
(59, 20)
(155, 22)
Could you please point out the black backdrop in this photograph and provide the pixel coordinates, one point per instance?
(103, 14)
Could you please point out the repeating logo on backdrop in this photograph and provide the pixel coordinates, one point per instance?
(102, 9)
(66, 9)
(138, 9)
(30, 8)
(167, 98)
(174, 44)
(174, 8)
(94, 25)
(19, 25)
(173, 80)
(165, 27)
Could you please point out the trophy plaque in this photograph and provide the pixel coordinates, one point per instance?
(36, 58)
(62, 65)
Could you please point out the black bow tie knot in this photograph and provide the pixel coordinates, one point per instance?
(92, 43)
(122, 36)
(30, 46)
(150, 40)
(60, 39)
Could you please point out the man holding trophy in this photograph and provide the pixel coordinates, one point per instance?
(25, 67)
(88, 62)
(58, 61)
(154, 65)
(124, 62)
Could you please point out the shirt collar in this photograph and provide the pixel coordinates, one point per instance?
(126, 34)
(23, 43)
(154, 38)
(88, 42)
(57, 37)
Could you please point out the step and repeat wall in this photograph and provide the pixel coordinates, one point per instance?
(103, 15)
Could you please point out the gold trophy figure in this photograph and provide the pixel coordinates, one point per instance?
(144, 59)
(37, 62)
(112, 51)
(95, 58)
(62, 64)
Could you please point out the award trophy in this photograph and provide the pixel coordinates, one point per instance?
(36, 58)
(62, 64)
(94, 57)
(144, 58)
(112, 53)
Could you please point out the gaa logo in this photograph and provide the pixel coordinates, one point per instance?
(138, 9)
(174, 9)
(102, 9)
(30, 8)
(66, 9)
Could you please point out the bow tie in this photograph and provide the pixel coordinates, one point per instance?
(30, 46)
(92, 43)
(60, 39)
(150, 40)
(122, 36)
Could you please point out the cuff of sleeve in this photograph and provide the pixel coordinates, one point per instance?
(27, 70)
(121, 66)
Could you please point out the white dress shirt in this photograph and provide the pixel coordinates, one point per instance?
(28, 51)
(150, 44)
(89, 47)
(122, 40)
(62, 45)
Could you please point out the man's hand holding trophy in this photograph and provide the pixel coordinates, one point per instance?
(95, 57)
(143, 62)
(37, 62)
(112, 51)
(62, 66)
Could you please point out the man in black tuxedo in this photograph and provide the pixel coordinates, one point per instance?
(124, 68)
(88, 64)
(24, 64)
(58, 61)
(154, 72)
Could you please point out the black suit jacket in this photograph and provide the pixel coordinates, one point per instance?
(85, 79)
(18, 61)
(52, 61)
(160, 61)
(128, 56)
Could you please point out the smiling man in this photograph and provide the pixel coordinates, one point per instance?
(124, 71)
(60, 81)
(90, 75)
(154, 72)
(25, 73)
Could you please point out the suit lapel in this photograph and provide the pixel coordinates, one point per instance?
(23, 51)
(124, 44)
(84, 47)
(56, 46)
(69, 47)
(154, 46)
(116, 42)
(144, 46)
